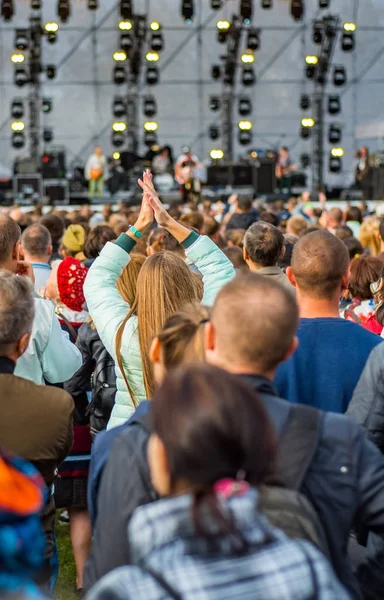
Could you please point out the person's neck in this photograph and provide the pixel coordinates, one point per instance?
(315, 308)
(239, 368)
(43, 260)
(255, 267)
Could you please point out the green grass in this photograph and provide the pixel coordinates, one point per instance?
(65, 589)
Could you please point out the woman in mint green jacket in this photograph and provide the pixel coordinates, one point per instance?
(165, 284)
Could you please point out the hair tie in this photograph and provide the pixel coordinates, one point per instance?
(232, 487)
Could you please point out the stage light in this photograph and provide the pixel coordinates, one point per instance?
(126, 42)
(347, 42)
(51, 71)
(51, 27)
(337, 152)
(119, 126)
(335, 164)
(248, 76)
(36, 4)
(334, 134)
(152, 56)
(245, 138)
(117, 139)
(245, 106)
(157, 42)
(17, 109)
(214, 103)
(245, 125)
(324, 3)
(223, 25)
(305, 132)
(150, 107)
(46, 105)
(339, 76)
(18, 126)
(21, 39)
(317, 34)
(119, 75)
(126, 10)
(305, 160)
(152, 75)
(247, 58)
(120, 56)
(125, 25)
(246, 10)
(150, 138)
(151, 126)
(17, 57)
(334, 105)
(311, 59)
(18, 139)
(93, 4)
(116, 155)
(21, 77)
(63, 10)
(216, 4)
(350, 27)
(266, 4)
(216, 154)
(305, 102)
(253, 39)
(297, 9)
(307, 122)
(7, 9)
(48, 135)
(216, 72)
(119, 107)
(214, 132)
(154, 26)
(187, 10)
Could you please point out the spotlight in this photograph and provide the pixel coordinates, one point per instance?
(334, 105)
(216, 72)
(21, 77)
(36, 4)
(150, 108)
(51, 71)
(119, 126)
(187, 10)
(339, 76)
(126, 10)
(347, 41)
(21, 39)
(116, 155)
(245, 106)
(119, 107)
(245, 137)
(311, 59)
(214, 132)
(337, 152)
(117, 139)
(297, 9)
(17, 109)
(305, 102)
(245, 125)
(216, 154)
(18, 126)
(223, 25)
(247, 58)
(46, 105)
(154, 26)
(47, 135)
(125, 25)
(305, 160)
(18, 139)
(152, 75)
(93, 4)
(335, 164)
(266, 4)
(150, 138)
(17, 57)
(214, 103)
(334, 134)
(216, 4)
(152, 56)
(157, 42)
(119, 75)
(120, 56)
(349, 27)
(51, 28)
(63, 10)
(7, 9)
(248, 76)
(317, 34)
(126, 42)
(253, 39)
(311, 66)
(307, 122)
(324, 3)
(246, 10)
(305, 132)
(151, 126)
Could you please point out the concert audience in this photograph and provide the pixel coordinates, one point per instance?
(245, 214)
(56, 228)
(364, 270)
(36, 247)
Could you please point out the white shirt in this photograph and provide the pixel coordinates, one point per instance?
(41, 272)
(94, 162)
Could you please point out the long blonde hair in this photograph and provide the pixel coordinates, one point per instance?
(369, 235)
(164, 285)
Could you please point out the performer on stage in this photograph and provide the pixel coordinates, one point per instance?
(185, 174)
(284, 168)
(364, 173)
(94, 173)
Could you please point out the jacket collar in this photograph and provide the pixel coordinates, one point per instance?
(7, 366)
(260, 384)
(270, 271)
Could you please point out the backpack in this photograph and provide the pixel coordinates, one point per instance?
(280, 499)
(103, 393)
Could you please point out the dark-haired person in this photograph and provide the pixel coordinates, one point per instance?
(56, 227)
(205, 464)
(96, 240)
(364, 270)
(354, 247)
(354, 218)
(36, 245)
(244, 214)
(320, 272)
(235, 255)
(263, 248)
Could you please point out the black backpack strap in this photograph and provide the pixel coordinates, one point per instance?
(297, 446)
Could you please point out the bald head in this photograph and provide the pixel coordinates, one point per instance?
(335, 217)
(10, 233)
(319, 262)
(255, 321)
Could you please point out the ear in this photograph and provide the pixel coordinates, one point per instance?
(209, 337)
(16, 251)
(291, 277)
(149, 251)
(282, 253)
(155, 350)
(345, 280)
(22, 344)
(245, 254)
(50, 250)
(292, 349)
(158, 466)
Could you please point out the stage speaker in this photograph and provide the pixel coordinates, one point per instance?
(266, 179)
(53, 165)
(243, 175)
(219, 175)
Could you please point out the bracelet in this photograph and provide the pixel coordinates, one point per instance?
(135, 232)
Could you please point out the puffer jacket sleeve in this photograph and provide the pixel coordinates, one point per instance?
(106, 307)
(367, 404)
(216, 268)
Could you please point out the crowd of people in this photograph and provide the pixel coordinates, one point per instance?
(200, 387)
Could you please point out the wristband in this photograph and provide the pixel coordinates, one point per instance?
(135, 232)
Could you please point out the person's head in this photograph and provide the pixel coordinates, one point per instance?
(160, 239)
(334, 218)
(253, 326)
(269, 217)
(364, 151)
(10, 234)
(211, 227)
(354, 214)
(319, 266)
(284, 152)
(17, 311)
(244, 204)
(193, 220)
(73, 241)
(55, 226)
(263, 245)
(355, 249)
(235, 255)
(96, 240)
(234, 237)
(343, 232)
(180, 342)
(296, 225)
(65, 283)
(163, 286)
(370, 235)
(208, 425)
(98, 151)
(36, 243)
(126, 284)
(364, 270)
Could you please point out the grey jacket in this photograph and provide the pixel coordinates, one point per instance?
(278, 275)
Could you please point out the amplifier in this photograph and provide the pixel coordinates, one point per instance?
(53, 165)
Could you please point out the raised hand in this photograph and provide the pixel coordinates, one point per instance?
(161, 215)
(25, 269)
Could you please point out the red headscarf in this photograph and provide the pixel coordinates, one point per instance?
(71, 274)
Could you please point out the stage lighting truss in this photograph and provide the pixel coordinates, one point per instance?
(334, 134)
(216, 71)
(216, 4)
(17, 109)
(245, 106)
(126, 10)
(334, 105)
(253, 39)
(305, 102)
(63, 10)
(21, 39)
(297, 9)
(187, 10)
(248, 76)
(119, 107)
(46, 105)
(93, 4)
(339, 76)
(214, 132)
(317, 32)
(18, 139)
(17, 58)
(7, 10)
(246, 11)
(152, 75)
(216, 154)
(47, 135)
(266, 4)
(214, 103)
(21, 77)
(150, 107)
(305, 160)
(335, 164)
